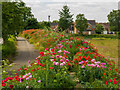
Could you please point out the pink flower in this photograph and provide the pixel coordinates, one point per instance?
(54, 63)
(103, 63)
(57, 63)
(39, 81)
(52, 60)
(61, 64)
(24, 76)
(27, 86)
(27, 78)
(105, 67)
(80, 62)
(29, 65)
(25, 68)
(30, 76)
(80, 49)
(67, 60)
(98, 66)
(46, 49)
(60, 56)
(88, 65)
(68, 52)
(61, 60)
(83, 66)
(57, 56)
(28, 61)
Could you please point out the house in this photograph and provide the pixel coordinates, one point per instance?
(90, 30)
(106, 26)
(54, 26)
(72, 29)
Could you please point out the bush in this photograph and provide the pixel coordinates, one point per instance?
(9, 48)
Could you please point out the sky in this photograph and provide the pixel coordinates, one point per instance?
(92, 9)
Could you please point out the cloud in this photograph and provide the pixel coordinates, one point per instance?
(91, 10)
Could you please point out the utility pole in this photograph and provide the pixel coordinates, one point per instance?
(48, 18)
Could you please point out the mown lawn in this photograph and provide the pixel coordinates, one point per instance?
(107, 47)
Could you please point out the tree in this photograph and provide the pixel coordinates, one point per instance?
(114, 20)
(32, 23)
(65, 18)
(44, 24)
(14, 16)
(81, 22)
(55, 21)
(99, 28)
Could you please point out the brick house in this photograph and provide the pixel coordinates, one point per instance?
(72, 29)
(106, 26)
(90, 30)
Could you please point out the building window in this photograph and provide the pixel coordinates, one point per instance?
(93, 26)
(93, 32)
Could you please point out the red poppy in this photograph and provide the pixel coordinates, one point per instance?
(6, 80)
(17, 79)
(11, 86)
(106, 82)
(110, 80)
(115, 82)
(79, 58)
(42, 53)
(113, 75)
(75, 59)
(37, 68)
(11, 78)
(51, 67)
(40, 64)
(22, 79)
(3, 84)
(33, 78)
(104, 73)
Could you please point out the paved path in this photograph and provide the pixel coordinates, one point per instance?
(25, 52)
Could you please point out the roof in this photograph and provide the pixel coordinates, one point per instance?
(53, 24)
(92, 22)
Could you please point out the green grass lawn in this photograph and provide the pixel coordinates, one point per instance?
(107, 47)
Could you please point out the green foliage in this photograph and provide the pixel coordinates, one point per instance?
(114, 20)
(32, 23)
(81, 22)
(9, 48)
(55, 21)
(65, 18)
(99, 28)
(44, 24)
(14, 16)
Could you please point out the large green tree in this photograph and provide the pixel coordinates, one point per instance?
(99, 28)
(32, 23)
(14, 16)
(81, 22)
(114, 20)
(65, 18)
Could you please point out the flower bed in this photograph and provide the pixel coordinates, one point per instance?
(62, 55)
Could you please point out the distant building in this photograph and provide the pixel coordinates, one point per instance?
(54, 26)
(72, 29)
(106, 26)
(90, 30)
